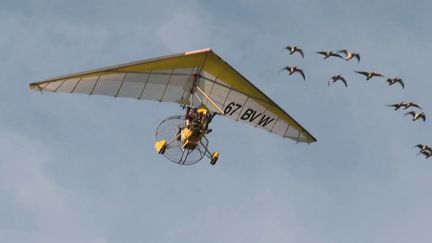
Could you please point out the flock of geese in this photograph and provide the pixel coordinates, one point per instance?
(416, 115)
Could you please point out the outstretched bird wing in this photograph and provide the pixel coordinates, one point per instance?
(301, 52)
(285, 68)
(415, 105)
(363, 73)
(324, 53)
(422, 116)
(394, 105)
(344, 51)
(412, 113)
(344, 81)
(399, 80)
(357, 56)
(335, 55)
(301, 73)
(377, 75)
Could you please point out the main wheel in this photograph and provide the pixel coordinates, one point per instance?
(214, 158)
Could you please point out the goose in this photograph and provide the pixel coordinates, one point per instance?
(294, 69)
(392, 81)
(294, 49)
(369, 75)
(424, 147)
(328, 54)
(350, 55)
(416, 116)
(336, 78)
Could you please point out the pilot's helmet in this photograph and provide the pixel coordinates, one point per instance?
(203, 110)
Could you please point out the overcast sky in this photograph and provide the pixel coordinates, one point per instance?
(75, 168)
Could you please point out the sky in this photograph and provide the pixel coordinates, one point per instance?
(75, 168)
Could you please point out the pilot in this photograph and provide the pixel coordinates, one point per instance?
(195, 118)
(197, 121)
(188, 117)
(205, 119)
(191, 117)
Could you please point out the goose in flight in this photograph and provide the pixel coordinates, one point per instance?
(336, 78)
(416, 116)
(369, 75)
(328, 54)
(294, 69)
(294, 49)
(392, 81)
(350, 55)
(424, 147)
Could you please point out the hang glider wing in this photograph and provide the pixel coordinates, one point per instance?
(176, 79)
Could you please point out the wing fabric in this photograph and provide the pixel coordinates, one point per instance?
(242, 107)
(167, 79)
(173, 78)
(165, 85)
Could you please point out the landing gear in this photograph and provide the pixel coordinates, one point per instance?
(171, 130)
(214, 157)
(160, 146)
(187, 147)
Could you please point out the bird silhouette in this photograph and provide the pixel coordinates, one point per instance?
(405, 105)
(392, 81)
(328, 54)
(416, 116)
(409, 104)
(294, 69)
(369, 75)
(424, 147)
(336, 78)
(350, 55)
(294, 49)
